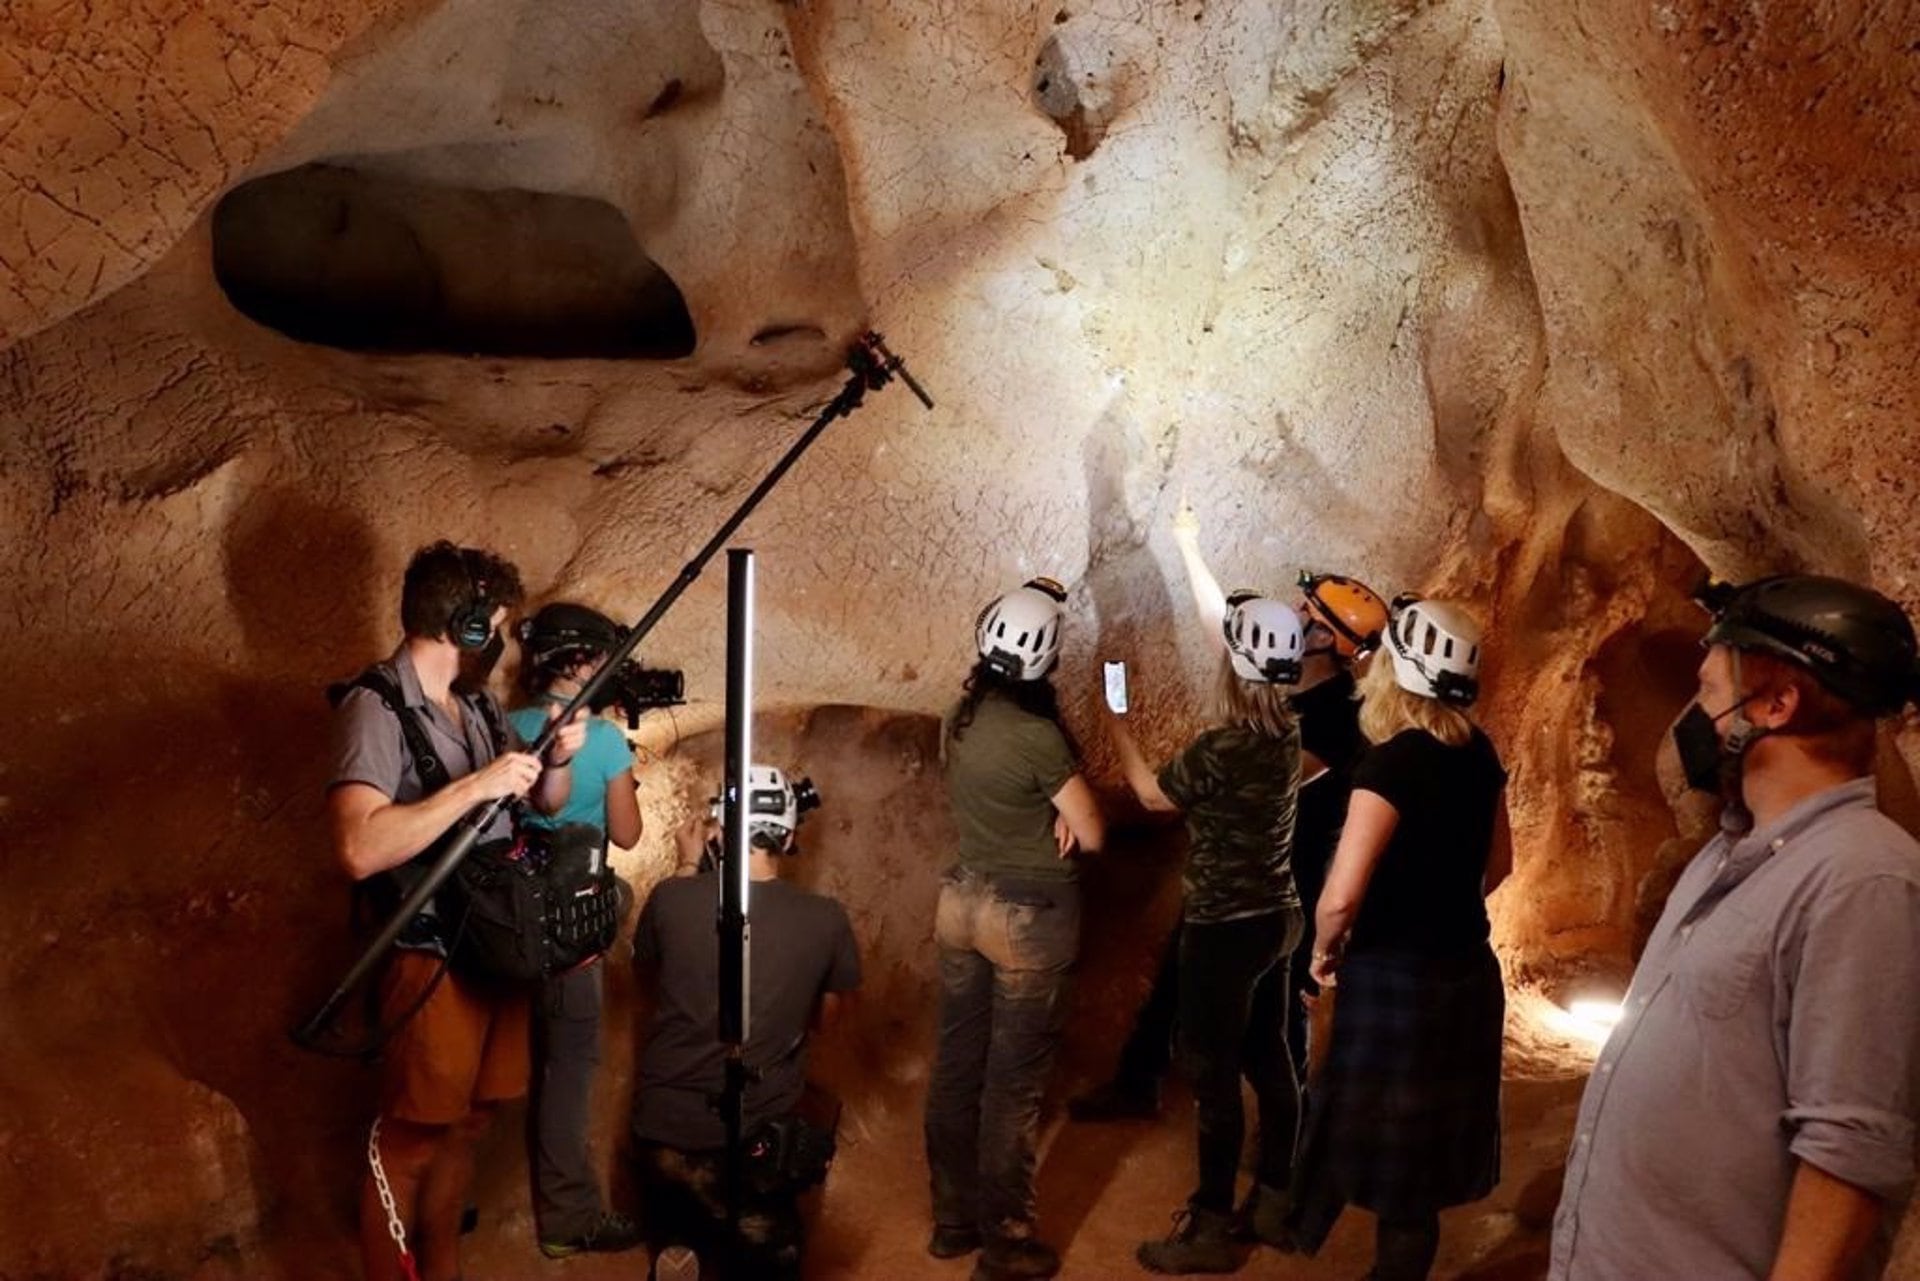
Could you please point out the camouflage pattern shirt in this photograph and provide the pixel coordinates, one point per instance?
(1238, 790)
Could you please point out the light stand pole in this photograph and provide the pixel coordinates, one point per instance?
(736, 939)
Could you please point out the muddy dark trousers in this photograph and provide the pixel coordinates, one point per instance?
(683, 1196)
(1148, 1053)
(1007, 949)
(566, 1051)
(1233, 978)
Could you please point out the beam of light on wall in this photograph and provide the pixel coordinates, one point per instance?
(1589, 1020)
(1602, 1014)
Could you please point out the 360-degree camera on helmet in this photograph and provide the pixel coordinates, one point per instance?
(776, 803)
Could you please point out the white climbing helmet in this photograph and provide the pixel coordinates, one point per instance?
(1019, 633)
(775, 804)
(1436, 650)
(1264, 639)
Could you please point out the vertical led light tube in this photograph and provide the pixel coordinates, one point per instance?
(735, 965)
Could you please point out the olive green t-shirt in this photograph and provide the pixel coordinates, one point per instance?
(1238, 789)
(1002, 772)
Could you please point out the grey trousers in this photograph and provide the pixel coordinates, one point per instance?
(566, 1050)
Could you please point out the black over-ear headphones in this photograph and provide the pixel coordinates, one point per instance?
(470, 626)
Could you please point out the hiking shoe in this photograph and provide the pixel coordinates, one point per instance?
(952, 1243)
(1116, 1102)
(609, 1234)
(1012, 1258)
(676, 1263)
(1201, 1241)
(1263, 1218)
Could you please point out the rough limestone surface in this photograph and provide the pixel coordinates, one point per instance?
(1540, 304)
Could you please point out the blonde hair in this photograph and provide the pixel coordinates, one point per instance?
(1261, 707)
(1387, 710)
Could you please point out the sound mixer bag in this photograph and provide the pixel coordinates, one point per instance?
(585, 901)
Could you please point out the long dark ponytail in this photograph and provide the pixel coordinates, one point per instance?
(1036, 698)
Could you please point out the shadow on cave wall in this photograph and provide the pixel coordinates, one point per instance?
(195, 910)
(1133, 608)
(199, 914)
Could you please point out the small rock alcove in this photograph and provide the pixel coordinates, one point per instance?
(355, 259)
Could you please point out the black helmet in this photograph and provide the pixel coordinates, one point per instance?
(1855, 641)
(564, 627)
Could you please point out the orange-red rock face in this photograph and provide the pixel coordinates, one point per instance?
(1540, 304)
(118, 127)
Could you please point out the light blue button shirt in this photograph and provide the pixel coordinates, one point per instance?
(1774, 1019)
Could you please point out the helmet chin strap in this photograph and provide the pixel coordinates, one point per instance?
(1742, 734)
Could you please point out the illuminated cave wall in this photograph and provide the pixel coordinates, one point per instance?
(1543, 304)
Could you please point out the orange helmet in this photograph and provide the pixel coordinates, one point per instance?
(1348, 608)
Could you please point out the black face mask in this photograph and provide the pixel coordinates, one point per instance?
(476, 665)
(1709, 764)
(1699, 745)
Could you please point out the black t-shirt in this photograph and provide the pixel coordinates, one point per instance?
(1330, 729)
(1425, 895)
(802, 946)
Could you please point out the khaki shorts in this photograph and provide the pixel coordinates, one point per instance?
(467, 1045)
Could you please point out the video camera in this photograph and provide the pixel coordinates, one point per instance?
(635, 689)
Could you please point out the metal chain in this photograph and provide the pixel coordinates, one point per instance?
(395, 1228)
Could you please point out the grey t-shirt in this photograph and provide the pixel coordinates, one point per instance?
(802, 947)
(369, 746)
(1003, 769)
(1774, 1019)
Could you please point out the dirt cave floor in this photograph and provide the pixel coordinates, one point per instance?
(1102, 1189)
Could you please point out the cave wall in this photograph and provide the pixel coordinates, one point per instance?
(1541, 304)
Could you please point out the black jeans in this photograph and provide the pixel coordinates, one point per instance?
(1233, 981)
(1148, 1052)
(1007, 948)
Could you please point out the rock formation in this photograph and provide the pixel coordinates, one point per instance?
(1543, 303)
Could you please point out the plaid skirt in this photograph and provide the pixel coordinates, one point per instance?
(1404, 1120)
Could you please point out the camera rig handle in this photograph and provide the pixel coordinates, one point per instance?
(872, 366)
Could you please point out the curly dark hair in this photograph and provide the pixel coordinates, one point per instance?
(441, 577)
(1036, 698)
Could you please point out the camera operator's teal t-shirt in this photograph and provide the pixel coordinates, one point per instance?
(604, 758)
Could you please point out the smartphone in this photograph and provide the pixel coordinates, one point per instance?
(1116, 674)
